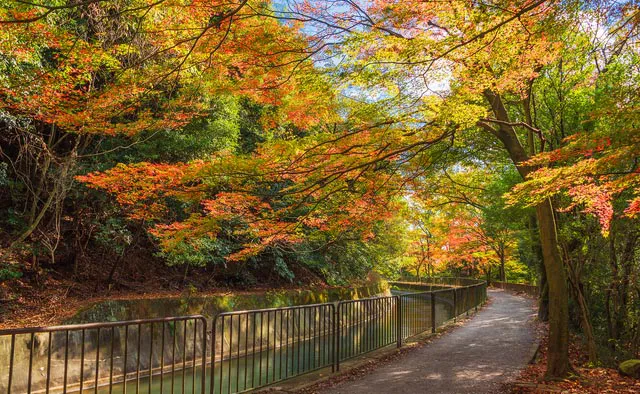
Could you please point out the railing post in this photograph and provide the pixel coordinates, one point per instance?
(399, 320)
(204, 354)
(475, 297)
(433, 312)
(455, 303)
(212, 380)
(336, 323)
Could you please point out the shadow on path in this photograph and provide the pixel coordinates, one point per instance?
(477, 357)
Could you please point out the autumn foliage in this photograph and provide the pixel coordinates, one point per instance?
(147, 66)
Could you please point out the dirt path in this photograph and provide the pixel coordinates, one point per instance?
(477, 357)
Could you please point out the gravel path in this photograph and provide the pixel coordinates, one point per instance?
(477, 357)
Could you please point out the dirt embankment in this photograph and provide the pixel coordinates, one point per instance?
(48, 295)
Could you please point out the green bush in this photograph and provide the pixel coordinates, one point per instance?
(8, 272)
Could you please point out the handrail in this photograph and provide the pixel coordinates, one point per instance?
(88, 326)
(79, 357)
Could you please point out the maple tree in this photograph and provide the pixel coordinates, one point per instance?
(594, 168)
(424, 250)
(75, 73)
(323, 182)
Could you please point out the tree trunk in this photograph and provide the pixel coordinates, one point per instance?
(574, 269)
(558, 365)
(543, 287)
(543, 302)
(587, 327)
(613, 291)
(611, 331)
(112, 272)
(503, 274)
(35, 222)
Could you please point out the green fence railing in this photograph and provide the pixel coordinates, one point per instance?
(242, 350)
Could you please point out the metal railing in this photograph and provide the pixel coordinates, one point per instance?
(256, 348)
(242, 351)
(366, 325)
(531, 290)
(168, 354)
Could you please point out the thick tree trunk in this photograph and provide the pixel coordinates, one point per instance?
(543, 287)
(558, 355)
(558, 365)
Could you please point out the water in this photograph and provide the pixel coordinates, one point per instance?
(237, 374)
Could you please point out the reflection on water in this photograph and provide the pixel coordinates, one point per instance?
(236, 374)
